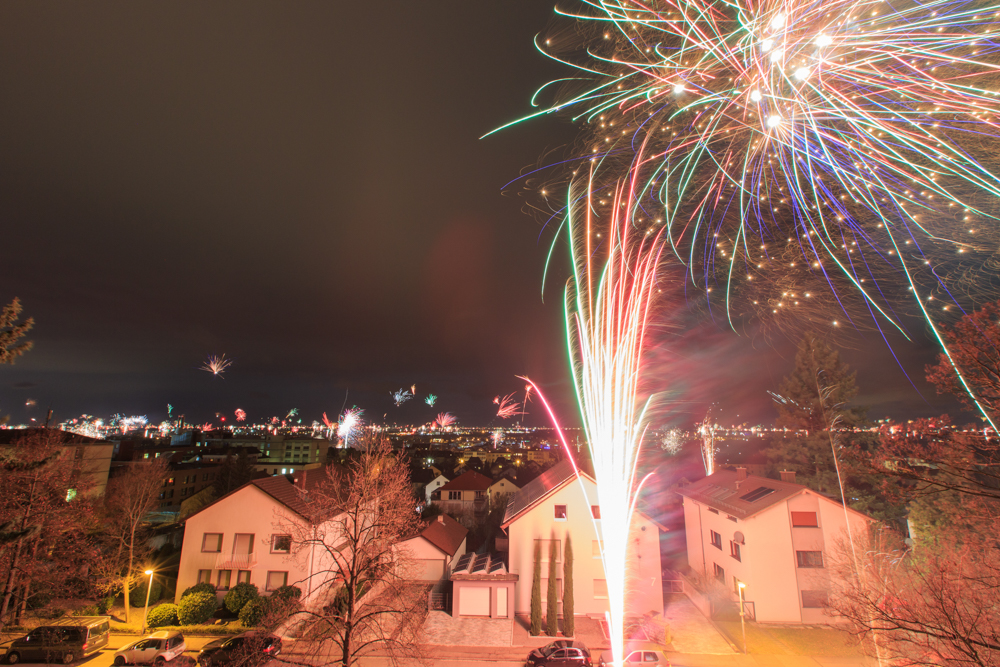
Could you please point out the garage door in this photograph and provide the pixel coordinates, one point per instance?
(474, 602)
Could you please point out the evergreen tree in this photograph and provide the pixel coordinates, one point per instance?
(536, 592)
(569, 624)
(552, 604)
(11, 331)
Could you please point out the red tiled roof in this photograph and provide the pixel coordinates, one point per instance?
(284, 490)
(468, 481)
(445, 533)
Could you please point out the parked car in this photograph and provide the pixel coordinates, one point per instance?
(156, 649)
(635, 655)
(247, 649)
(64, 640)
(561, 653)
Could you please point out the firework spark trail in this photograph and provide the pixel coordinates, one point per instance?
(707, 433)
(216, 365)
(400, 396)
(608, 302)
(507, 406)
(292, 413)
(431, 400)
(444, 420)
(838, 147)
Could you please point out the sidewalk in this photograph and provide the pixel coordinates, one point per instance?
(692, 631)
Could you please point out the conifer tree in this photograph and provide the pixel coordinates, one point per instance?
(552, 606)
(536, 592)
(11, 331)
(569, 625)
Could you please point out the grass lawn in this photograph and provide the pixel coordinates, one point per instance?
(789, 640)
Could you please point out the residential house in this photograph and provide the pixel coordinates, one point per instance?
(502, 487)
(560, 505)
(466, 494)
(433, 485)
(775, 537)
(434, 549)
(246, 536)
(91, 456)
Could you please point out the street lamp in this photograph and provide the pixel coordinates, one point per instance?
(743, 626)
(149, 588)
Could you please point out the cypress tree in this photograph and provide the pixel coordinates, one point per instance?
(569, 626)
(552, 606)
(536, 592)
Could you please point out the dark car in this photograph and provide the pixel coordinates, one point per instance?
(64, 640)
(562, 653)
(248, 649)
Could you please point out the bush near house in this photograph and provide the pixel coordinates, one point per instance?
(253, 612)
(287, 593)
(196, 608)
(203, 587)
(137, 596)
(239, 595)
(164, 614)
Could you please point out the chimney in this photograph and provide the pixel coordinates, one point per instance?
(440, 518)
(741, 474)
(788, 476)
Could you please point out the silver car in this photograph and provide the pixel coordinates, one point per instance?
(156, 649)
(637, 657)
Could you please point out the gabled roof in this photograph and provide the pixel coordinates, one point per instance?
(534, 491)
(748, 498)
(468, 481)
(282, 489)
(506, 480)
(445, 533)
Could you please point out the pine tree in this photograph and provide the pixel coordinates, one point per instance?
(12, 331)
(569, 625)
(552, 606)
(536, 592)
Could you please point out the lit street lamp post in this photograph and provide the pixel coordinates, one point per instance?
(743, 626)
(149, 588)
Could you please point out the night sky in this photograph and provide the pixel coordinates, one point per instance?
(302, 187)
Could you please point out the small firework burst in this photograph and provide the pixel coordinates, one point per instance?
(349, 424)
(241, 415)
(508, 407)
(431, 400)
(445, 419)
(672, 441)
(216, 365)
(292, 413)
(400, 396)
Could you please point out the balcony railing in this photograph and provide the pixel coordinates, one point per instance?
(235, 561)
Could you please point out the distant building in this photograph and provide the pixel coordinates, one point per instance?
(434, 485)
(775, 537)
(92, 455)
(434, 549)
(502, 487)
(466, 494)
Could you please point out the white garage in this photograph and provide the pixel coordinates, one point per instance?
(474, 601)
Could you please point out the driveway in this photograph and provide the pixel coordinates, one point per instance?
(693, 633)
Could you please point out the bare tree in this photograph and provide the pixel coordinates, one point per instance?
(11, 331)
(130, 498)
(355, 518)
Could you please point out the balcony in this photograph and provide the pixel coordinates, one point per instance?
(235, 561)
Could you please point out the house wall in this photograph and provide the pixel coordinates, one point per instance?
(249, 510)
(434, 485)
(646, 589)
(429, 562)
(770, 573)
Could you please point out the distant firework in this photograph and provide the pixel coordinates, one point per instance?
(672, 441)
(413, 389)
(400, 396)
(445, 419)
(217, 365)
(241, 416)
(497, 437)
(431, 400)
(292, 413)
(708, 450)
(508, 407)
(350, 422)
(30, 403)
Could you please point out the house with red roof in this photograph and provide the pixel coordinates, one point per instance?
(775, 537)
(466, 494)
(439, 543)
(246, 536)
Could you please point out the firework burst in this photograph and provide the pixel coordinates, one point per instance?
(431, 400)
(444, 420)
(216, 365)
(400, 396)
(708, 450)
(672, 441)
(350, 423)
(507, 407)
(241, 415)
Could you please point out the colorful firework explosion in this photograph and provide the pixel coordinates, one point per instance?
(349, 424)
(400, 396)
(216, 365)
(672, 441)
(431, 400)
(507, 406)
(444, 420)
(292, 413)
(241, 415)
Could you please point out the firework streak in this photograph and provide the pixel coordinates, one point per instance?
(806, 158)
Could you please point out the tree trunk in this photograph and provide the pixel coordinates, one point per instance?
(128, 572)
(15, 561)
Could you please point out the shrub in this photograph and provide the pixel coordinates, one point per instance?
(39, 599)
(253, 612)
(203, 587)
(196, 608)
(164, 614)
(104, 605)
(137, 596)
(239, 595)
(90, 610)
(287, 593)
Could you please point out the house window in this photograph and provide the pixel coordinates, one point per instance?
(720, 574)
(560, 513)
(716, 539)
(595, 511)
(454, 495)
(170, 480)
(600, 589)
(813, 599)
(809, 558)
(736, 587)
(243, 577)
(276, 580)
(223, 580)
(713, 510)
(543, 548)
(804, 520)
(732, 518)
(596, 548)
(211, 543)
(243, 543)
(204, 576)
(480, 495)
(734, 549)
(281, 544)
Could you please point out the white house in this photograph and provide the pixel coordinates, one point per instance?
(502, 487)
(434, 549)
(434, 485)
(775, 537)
(245, 536)
(558, 507)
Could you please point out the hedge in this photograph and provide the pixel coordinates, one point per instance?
(164, 614)
(196, 608)
(239, 595)
(253, 612)
(203, 587)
